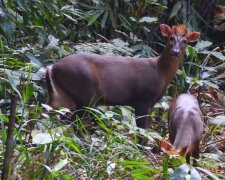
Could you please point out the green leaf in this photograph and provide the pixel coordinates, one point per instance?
(208, 83)
(148, 20)
(202, 45)
(53, 42)
(12, 83)
(218, 55)
(28, 92)
(104, 19)
(60, 165)
(2, 12)
(70, 17)
(218, 120)
(96, 2)
(141, 176)
(145, 171)
(42, 138)
(124, 21)
(37, 22)
(95, 17)
(34, 59)
(213, 156)
(4, 118)
(48, 168)
(133, 164)
(165, 167)
(195, 174)
(73, 145)
(175, 9)
(180, 173)
(112, 19)
(191, 51)
(133, 19)
(47, 107)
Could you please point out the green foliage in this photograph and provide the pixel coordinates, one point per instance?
(110, 14)
(196, 70)
(35, 33)
(38, 19)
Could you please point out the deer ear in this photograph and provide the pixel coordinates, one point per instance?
(166, 30)
(193, 36)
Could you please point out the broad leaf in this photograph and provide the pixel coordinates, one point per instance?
(53, 42)
(175, 9)
(95, 17)
(47, 107)
(148, 20)
(60, 165)
(218, 55)
(202, 45)
(218, 120)
(180, 173)
(213, 156)
(13, 83)
(195, 174)
(41, 138)
(34, 60)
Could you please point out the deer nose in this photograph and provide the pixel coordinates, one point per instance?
(175, 52)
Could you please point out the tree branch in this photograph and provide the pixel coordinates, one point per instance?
(9, 142)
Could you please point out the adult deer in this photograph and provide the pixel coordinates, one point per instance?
(185, 126)
(79, 79)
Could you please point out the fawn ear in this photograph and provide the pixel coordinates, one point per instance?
(193, 36)
(166, 30)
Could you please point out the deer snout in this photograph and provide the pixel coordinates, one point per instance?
(175, 52)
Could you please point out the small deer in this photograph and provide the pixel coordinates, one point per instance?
(79, 79)
(185, 126)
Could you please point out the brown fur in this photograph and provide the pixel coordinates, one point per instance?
(180, 30)
(84, 78)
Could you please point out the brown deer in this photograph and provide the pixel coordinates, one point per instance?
(77, 80)
(185, 126)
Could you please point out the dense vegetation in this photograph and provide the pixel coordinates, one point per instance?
(37, 33)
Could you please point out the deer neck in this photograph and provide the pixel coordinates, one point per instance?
(168, 65)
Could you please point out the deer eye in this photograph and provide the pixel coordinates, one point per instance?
(184, 41)
(171, 38)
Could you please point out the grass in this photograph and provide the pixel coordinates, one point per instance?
(104, 148)
(48, 146)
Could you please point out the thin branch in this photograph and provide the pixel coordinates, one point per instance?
(214, 142)
(9, 142)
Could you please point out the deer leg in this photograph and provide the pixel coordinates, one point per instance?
(77, 120)
(77, 114)
(188, 158)
(82, 118)
(142, 116)
(83, 113)
(195, 154)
